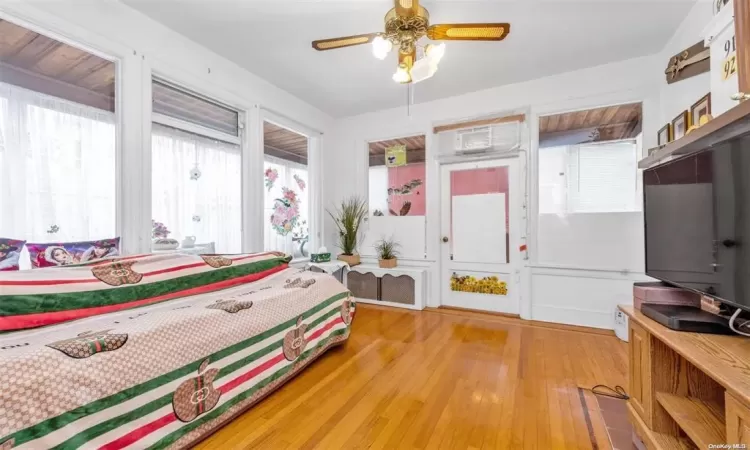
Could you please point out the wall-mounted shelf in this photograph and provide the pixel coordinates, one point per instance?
(731, 124)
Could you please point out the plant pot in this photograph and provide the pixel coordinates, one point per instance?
(352, 260)
(388, 263)
(161, 244)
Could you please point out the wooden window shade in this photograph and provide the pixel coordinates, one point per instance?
(479, 123)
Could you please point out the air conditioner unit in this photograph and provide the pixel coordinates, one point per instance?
(473, 139)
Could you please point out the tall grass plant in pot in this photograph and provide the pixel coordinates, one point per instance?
(387, 253)
(348, 218)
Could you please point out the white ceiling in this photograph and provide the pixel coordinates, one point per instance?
(271, 38)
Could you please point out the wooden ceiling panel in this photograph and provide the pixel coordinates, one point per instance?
(594, 118)
(55, 68)
(281, 141)
(629, 115)
(33, 52)
(89, 65)
(412, 143)
(13, 38)
(62, 59)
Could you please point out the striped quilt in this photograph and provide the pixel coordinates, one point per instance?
(156, 368)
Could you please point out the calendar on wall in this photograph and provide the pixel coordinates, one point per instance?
(719, 36)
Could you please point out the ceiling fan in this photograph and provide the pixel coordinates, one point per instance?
(405, 25)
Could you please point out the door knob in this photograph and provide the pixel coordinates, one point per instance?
(445, 238)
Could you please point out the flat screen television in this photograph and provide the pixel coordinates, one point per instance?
(697, 222)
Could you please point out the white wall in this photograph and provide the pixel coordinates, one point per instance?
(588, 296)
(677, 97)
(143, 46)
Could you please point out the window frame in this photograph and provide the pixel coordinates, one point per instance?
(135, 66)
(647, 139)
(125, 60)
(314, 176)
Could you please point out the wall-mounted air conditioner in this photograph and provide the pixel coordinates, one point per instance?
(474, 139)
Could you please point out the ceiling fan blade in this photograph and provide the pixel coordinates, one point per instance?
(407, 7)
(468, 31)
(341, 42)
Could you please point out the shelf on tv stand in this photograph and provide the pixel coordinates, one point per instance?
(687, 390)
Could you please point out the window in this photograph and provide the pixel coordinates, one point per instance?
(591, 178)
(397, 189)
(196, 169)
(590, 199)
(287, 198)
(210, 207)
(57, 140)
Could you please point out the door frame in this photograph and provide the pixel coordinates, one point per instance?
(515, 163)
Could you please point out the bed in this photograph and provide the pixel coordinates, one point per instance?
(155, 351)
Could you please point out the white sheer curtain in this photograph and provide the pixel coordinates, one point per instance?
(286, 178)
(208, 208)
(57, 168)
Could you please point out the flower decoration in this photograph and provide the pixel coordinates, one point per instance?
(487, 285)
(195, 173)
(405, 189)
(271, 176)
(196, 218)
(159, 230)
(53, 229)
(300, 182)
(285, 212)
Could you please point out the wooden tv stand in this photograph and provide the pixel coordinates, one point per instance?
(687, 390)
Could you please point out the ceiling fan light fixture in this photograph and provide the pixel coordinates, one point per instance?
(381, 47)
(402, 74)
(435, 52)
(422, 70)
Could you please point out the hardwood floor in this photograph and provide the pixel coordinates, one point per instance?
(437, 379)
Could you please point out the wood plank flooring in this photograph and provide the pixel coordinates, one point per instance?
(435, 380)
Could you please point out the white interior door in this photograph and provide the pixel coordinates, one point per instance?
(480, 213)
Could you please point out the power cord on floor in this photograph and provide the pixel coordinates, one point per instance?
(617, 392)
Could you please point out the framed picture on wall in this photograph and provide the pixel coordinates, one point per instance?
(680, 125)
(665, 135)
(700, 108)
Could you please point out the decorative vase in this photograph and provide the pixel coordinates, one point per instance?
(352, 260)
(388, 263)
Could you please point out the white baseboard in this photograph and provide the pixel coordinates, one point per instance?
(573, 316)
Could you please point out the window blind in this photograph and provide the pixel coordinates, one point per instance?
(602, 178)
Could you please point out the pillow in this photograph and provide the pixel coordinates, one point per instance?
(10, 253)
(67, 253)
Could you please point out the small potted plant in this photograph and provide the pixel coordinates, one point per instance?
(348, 218)
(161, 241)
(387, 253)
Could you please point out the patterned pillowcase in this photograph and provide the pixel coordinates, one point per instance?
(67, 253)
(10, 253)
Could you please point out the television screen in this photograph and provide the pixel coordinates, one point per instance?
(697, 220)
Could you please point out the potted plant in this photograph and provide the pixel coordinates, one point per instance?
(387, 253)
(348, 218)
